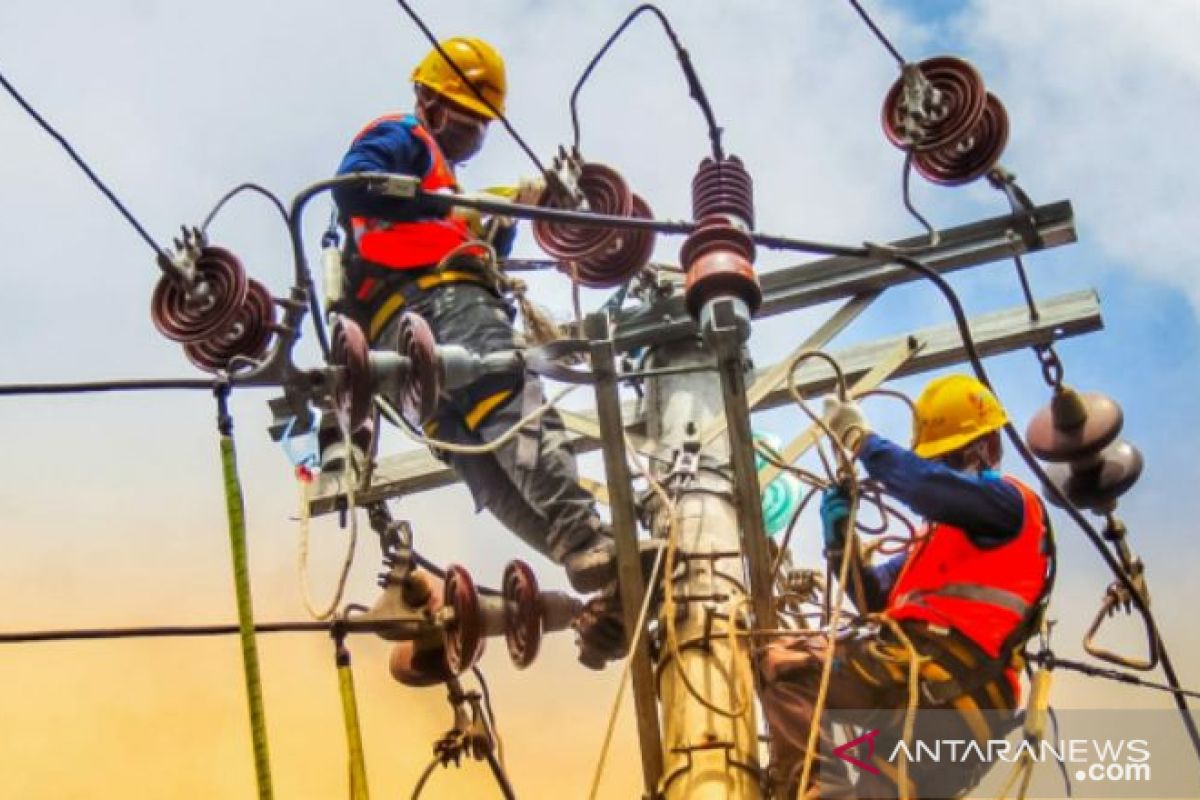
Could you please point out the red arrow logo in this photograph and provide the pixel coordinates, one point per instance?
(869, 738)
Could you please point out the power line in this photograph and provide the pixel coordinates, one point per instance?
(695, 88)
(883, 39)
(437, 45)
(58, 137)
(94, 387)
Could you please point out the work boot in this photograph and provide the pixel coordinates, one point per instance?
(601, 630)
(594, 566)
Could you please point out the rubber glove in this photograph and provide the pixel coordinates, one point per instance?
(835, 512)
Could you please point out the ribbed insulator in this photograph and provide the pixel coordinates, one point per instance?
(973, 155)
(192, 313)
(934, 104)
(723, 188)
(246, 334)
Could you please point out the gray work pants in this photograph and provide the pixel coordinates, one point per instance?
(530, 483)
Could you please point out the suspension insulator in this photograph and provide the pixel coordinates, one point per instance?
(464, 634)
(934, 103)
(1098, 484)
(352, 388)
(724, 188)
(628, 251)
(245, 335)
(191, 313)
(421, 388)
(606, 193)
(522, 613)
(972, 156)
(1074, 427)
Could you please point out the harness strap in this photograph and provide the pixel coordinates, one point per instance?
(978, 593)
(396, 299)
(527, 439)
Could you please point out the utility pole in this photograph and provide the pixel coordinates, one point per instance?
(710, 742)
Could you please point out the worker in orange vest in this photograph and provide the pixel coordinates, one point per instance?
(967, 593)
(406, 256)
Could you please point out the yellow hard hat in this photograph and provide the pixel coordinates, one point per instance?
(479, 61)
(953, 411)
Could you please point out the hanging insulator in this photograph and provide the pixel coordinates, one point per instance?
(972, 156)
(522, 613)
(246, 335)
(464, 634)
(626, 253)
(352, 387)
(1077, 433)
(1097, 483)
(597, 257)
(934, 103)
(421, 386)
(199, 310)
(1074, 426)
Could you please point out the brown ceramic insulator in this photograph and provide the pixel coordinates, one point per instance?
(971, 157)
(200, 311)
(246, 334)
(627, 252)
(421, 388)
(1055, 433)
(1115, 471)
(713, 234)
(352, 391)
(419, 664)
(464, 636)
(960, 101)
(522, 613)
(721, 273)
(606, 193)
(723, 188)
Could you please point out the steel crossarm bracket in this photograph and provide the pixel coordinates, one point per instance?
(998, 332)
(839, 277)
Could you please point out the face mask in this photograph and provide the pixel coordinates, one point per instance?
(458, 134)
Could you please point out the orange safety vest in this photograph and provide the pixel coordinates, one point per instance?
(419, 243)
(983, 593)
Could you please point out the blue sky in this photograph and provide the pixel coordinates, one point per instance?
(111, 512)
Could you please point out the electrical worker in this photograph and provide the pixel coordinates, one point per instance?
(968, 593)
(403, 256)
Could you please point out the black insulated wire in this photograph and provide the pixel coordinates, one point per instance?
(306, 277)
(695, 88)
(437, 45)
(94, 387)
(883, 39)
(58, 137)
(1060, 498)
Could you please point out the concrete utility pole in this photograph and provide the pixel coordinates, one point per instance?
(709, 752)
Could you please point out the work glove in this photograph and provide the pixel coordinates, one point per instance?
(835, 515)
(529, 189)
(846, 421)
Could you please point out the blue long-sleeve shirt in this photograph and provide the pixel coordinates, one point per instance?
(389, 145)
(988, 509)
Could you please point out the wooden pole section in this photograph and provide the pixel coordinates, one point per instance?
(710, 753)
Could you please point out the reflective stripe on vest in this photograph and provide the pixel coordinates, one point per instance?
(983, 593)
(419, 243)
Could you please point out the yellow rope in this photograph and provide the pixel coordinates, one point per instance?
(357, 762)
(351, 477)
(236, 512)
